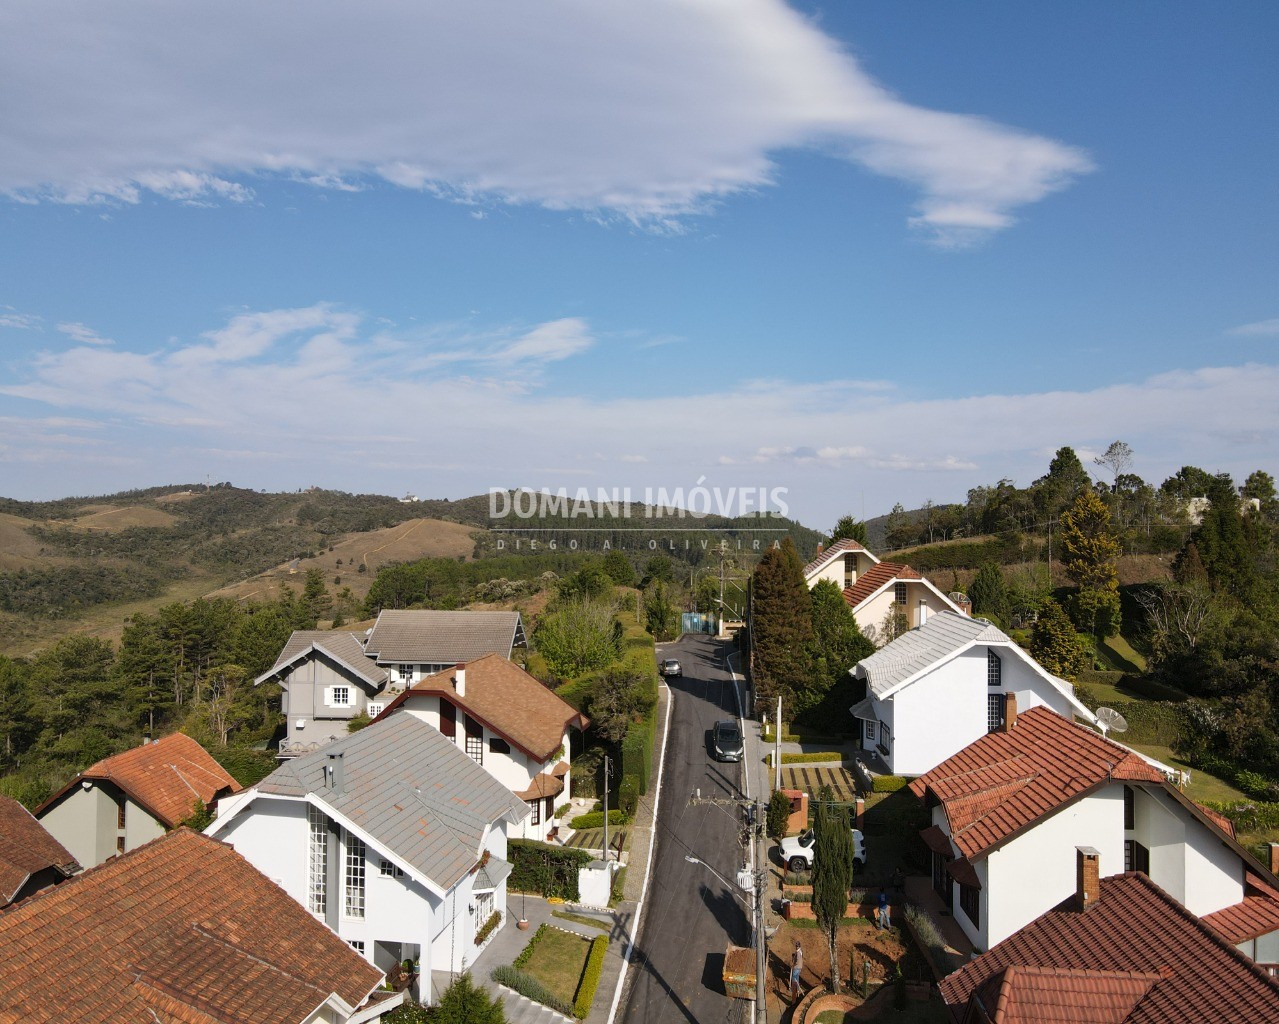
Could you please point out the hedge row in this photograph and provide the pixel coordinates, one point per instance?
(590, 977)
(813, 757)
(888, 783)
(545, 869)
(529, 987)
(595, 819)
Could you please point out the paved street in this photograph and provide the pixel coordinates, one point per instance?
(692, 915)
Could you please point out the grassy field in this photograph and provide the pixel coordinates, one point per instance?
(1202, 785)
(558, 961)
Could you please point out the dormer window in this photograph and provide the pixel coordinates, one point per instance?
(994, 669)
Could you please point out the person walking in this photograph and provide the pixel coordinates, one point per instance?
(884, 915)
(796, 966)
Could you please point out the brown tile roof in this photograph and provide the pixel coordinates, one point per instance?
(1134, 927)
(826, 554)
(1218, 819)
(1053, 995)
(543, 785)
(875, 577)
(1256, 914)
(508, 700)
(182, 929)
(26, 849)
(165, 778)
(1006, 781)
(427, 637)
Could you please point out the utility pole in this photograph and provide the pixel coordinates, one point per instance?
(606, 811)
(777, 747)
(761, 941)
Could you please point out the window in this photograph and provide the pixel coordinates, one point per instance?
(535, 810)
(498, 746)
(1130, 811)
(994, 669)
(448, 718)
(870, 730)
(388, 870)
(318, 866)
(119, 844)
(119, 812)
(355, 857)
(899, 593)
(406, 673)
(1136, 857)
(970, 903)
(356, 945)
(994, 711)
(374, 708)
(483, 908)
(474, 739)
(340, 697)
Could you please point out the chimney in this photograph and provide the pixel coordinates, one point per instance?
(1274, 858)
(1087, 877)
(459, 680)
(334, 777)
(1010, 712)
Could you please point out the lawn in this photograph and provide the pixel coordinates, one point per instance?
(558, 961)
(1202, 785)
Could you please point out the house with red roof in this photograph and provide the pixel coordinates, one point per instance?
(1009, 811)
(508, 722)
(125, 801)
(874, 590)
(30, 858)
(1116, 950)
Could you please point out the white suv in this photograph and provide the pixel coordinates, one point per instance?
(797, 851)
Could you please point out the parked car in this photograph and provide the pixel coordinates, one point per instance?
(726, 741)
(797, 851)
(671, 667)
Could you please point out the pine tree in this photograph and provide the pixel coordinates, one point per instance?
(832, 872)
(1089, 553)
(988, 592)
(838, 645)
(782, 620)
(1055, 644)
(849, 528)
(464, 1002)
(1223, 541)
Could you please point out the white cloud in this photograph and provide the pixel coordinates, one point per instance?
(648, 111)
(549, 342)
(10, 317)
(84, 335)
(1260, 329)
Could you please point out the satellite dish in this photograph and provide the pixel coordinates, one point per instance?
(1108, 719)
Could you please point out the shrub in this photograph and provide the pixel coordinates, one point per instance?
(559, 811)
(545, 869)
(595, 819)
(628, 795)
(889, 783)
(529, 987)
(494, 920)
(812, 757)
(590, 977)
(526, 954)
(778, 814)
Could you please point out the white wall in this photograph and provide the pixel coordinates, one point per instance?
(1188, 860)
(1036, 871)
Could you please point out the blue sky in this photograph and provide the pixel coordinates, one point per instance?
(867, 252)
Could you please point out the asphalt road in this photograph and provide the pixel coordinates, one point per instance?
(692, 916)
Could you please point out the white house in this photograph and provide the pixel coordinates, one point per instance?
(126, 800)
(507, 721)
(873, 589)
(328, 677)
(939, 687)
(1010, 810)
(392, 836)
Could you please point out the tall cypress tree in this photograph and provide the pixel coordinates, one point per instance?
(832, 872)
(782, 621)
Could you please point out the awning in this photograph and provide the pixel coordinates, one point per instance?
(864, 709)
(491, 875)
(964, 873)
(937, 841)
(542, 786)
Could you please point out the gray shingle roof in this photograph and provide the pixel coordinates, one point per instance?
(942, 635)
(411, 791)
(343, 647)
(423, 637)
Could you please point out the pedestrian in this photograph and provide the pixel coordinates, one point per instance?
(899, 879)
(883, 917)
(796, 966)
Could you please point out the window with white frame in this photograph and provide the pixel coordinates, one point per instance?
(994, 711)
(994, 669)
(340, 697)
(374, 708)
(535, 809)
(354, 876)
(356, 945)
(870, 729)
(483, 908)
(406, 673)
(389, 870)
(317, 861)
(899, 593)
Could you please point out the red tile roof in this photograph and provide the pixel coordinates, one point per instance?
(182, 929)
(543, 785)
(508, 700)
(1053, 995)
(1219, 819)
(165, 778)
(1256, 914)
(1134, 927)
(26, 849)
(875, 577)
(1006, 781)
(826, 554)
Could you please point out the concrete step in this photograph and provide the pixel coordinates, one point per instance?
(522, 1010)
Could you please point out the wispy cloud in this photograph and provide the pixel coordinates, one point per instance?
(84, 335)
(327, 395)
(1260, 329)
(10, 317)
(542, 106)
